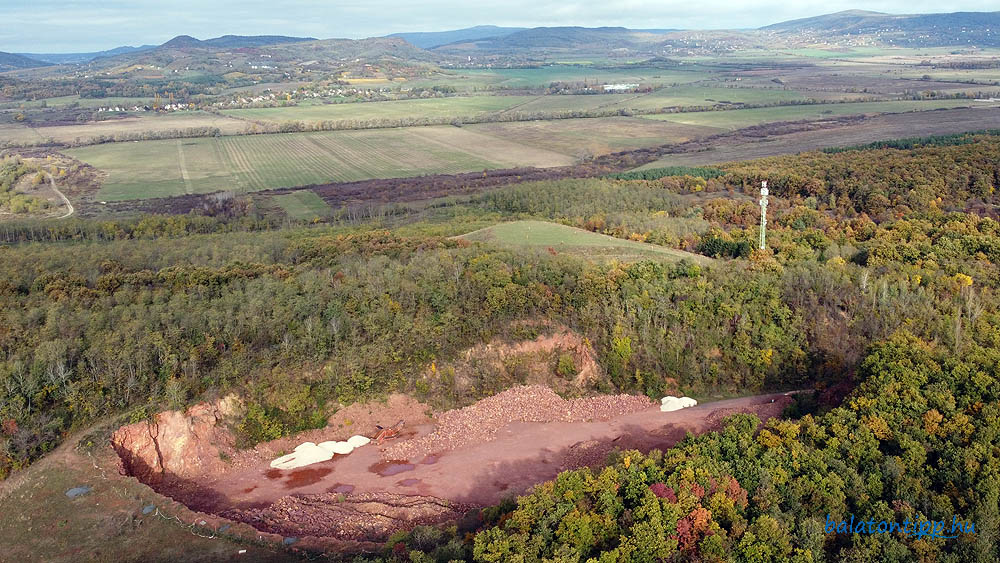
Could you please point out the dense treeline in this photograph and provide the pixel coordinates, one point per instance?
(915, 142)
(884, 183)
(915, 442)
(12, 170)
(657, 173)
(906, 306)
(144, 227)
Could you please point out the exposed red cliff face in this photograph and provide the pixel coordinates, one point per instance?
(177, 444)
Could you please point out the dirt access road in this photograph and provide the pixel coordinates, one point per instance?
(519, 455)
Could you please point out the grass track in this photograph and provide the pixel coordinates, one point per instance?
(561, 238)
(302, 204)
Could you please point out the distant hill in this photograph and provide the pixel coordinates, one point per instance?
(267, 55)
(556, 38)
(838, 22)
(915, 30)
(10, 61)
(371, 50)
(232, 41)
(80, 58)
(431, 39)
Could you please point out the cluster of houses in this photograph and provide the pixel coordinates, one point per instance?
(620, 87)
(166, 107)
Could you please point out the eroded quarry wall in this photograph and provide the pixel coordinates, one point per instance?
(177, 444)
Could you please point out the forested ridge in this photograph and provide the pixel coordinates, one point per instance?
(880, 277)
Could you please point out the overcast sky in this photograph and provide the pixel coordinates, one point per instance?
(59, 26)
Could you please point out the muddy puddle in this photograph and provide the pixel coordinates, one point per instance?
(391, 467)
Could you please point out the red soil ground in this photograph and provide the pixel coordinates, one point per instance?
(364, 496)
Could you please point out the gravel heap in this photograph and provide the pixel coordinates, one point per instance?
(361, 517)
(529, 403)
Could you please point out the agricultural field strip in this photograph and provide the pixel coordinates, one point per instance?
(182, 164)
(520, 105)
(739, 118)
(512, 153)
(223, 158)
(249, 174)
(351, 156)
(255, 162)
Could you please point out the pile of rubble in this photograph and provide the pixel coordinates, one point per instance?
(532, 403)
(361, 517)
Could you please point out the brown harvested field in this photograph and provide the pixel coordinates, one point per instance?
(14, 133)
(126, 126)
(843, 132)
(861, 79)
(585, 137)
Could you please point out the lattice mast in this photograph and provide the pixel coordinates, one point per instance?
(763, 213)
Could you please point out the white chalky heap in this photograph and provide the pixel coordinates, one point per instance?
(671, 403)
(308, 453)
(358, 441)
(342, 448)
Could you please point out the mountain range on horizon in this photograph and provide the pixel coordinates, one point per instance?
(943, 29)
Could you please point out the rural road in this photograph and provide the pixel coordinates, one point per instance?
(65, 199)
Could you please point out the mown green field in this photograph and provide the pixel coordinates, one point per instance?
(63, 101)
(303, 204)
(739, 118)
(398, 109)
(587, 137)
(535, 77)
(561, 238)
(695, 95)
(257, 162)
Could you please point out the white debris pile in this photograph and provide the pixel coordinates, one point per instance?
(671, 403)
(308, 453)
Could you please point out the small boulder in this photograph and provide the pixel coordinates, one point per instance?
(78, 491)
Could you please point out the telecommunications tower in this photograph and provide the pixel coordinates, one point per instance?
(763, 212)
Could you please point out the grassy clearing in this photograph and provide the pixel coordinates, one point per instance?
(561, 238)
(303, 204)
(582, 137)
(107, 524)
(257, 162)
(740, 118)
